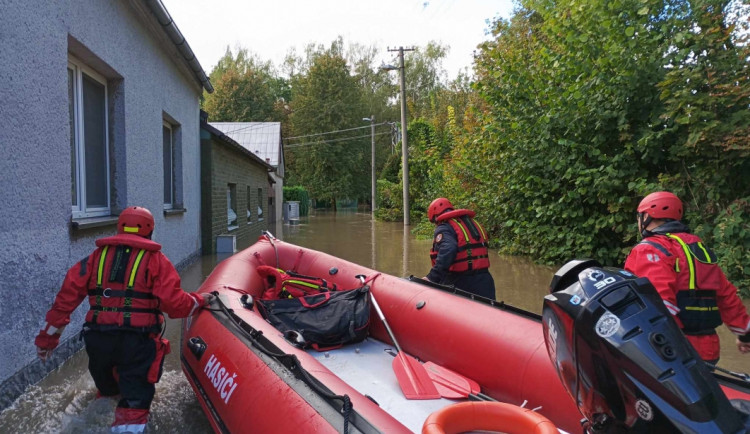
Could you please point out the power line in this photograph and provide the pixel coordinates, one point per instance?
(325, 142)
(255, 126)
(335, 131)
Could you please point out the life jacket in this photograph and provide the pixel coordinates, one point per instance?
(698, 280)
(119, 294)
(287, 284)
(472, 241)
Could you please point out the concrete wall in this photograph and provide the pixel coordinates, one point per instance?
(223, 165)
(278, 187)
(39, 244)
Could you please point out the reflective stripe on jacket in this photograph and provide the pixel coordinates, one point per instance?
(287, 284)
(119, 294)
(675, 262)
(155, 275)
(472, 251)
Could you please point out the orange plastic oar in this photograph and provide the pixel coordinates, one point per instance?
(412, 376)
(450, 384)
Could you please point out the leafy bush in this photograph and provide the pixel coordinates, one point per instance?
(298, 193)
(730, 240)
(390, 201)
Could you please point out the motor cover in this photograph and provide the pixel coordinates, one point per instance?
(624, 360)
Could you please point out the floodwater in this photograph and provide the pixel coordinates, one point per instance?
(64, 401)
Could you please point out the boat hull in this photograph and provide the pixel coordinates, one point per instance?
(243, 387)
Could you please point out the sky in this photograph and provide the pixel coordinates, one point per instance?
(271, 28)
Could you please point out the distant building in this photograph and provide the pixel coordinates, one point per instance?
(263, 139)
(234, 187)
(100, 110)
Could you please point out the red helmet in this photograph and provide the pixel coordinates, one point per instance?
(437, 207)
(661, 205)
(135, 220)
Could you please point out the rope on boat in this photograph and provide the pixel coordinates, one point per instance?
(290, 361)
(269, 236)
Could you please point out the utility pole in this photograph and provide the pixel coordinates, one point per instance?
(404, 145)
(372, 161)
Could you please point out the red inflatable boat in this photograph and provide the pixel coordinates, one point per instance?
(251, 377)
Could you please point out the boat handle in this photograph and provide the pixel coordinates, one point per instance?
(197, 346)
(247, 301)
(326, 297)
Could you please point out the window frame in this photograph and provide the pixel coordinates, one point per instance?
(249, 205)
(81, 209)
(261, 214)
(171, 204)
(232, 205)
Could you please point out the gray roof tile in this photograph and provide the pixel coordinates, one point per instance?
(260, 138)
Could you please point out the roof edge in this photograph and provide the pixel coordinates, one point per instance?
(223, 137)
(170, 29)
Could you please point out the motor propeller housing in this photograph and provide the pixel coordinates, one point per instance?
(623, 358)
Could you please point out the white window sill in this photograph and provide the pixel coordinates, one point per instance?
(174, 211)
(93, 222)
(231, 228)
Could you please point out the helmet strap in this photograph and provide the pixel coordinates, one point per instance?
(643, 221)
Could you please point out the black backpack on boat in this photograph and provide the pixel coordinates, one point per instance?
(324, 321)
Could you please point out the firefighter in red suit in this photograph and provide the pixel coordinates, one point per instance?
(685, 273)
(459, 252)
(129, 283)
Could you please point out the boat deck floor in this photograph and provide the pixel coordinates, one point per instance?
(366, 366)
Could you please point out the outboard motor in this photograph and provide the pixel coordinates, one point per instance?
(623, 359)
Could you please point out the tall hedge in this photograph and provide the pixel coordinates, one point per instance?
(299, 194)
(583, 109)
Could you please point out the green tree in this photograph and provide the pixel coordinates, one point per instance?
(589, 107)
(246, 89)
(564, 118)
(706, 93)
(328, 98)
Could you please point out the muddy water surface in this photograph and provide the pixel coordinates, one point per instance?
(64, 401)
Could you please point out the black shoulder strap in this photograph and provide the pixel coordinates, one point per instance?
(658, 246)
(469, 224)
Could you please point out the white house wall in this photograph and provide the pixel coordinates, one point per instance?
(35, 199)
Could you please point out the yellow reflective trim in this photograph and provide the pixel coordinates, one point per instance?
(460, 225)
(481, 229)
(130, 229)
(701, 308)
(299, 282)
(135, 267)
(686, 249)
(708, 257)
(99, 273)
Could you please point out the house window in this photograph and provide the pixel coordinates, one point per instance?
(260, 204)
(89, 146)
(231, 206)
(249, 206)
(168, 162)
(171, 133)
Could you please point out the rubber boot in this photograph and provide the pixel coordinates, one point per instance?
(130, 420)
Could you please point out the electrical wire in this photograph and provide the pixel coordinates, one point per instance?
(335, 131)
(255, 126)
(325, 142)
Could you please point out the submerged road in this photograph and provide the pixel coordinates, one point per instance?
(64, 401)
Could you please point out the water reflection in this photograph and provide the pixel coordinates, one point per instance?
(517, 280)
(64, 401)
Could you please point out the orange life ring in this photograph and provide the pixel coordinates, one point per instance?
(488, 416)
